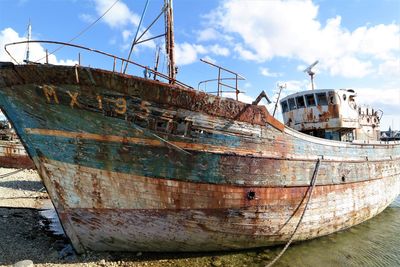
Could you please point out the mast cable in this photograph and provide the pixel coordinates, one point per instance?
(137, 32)
(136, 40)
(83, 31)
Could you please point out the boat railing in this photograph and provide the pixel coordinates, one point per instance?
(147, 71)
(221, 81)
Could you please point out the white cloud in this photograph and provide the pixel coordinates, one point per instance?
(378, 97)
(210, 59)
(385, 99)
(266, 72)
(351, 67)
(294, 86)
(246, 54)
(219, 51)
(249, 99)
(8, 35)
(263, 30)
(207, 34)
(126, 35)
(379, 41)
(119, 16)
(37, 51)
(187, 53)
(390, 68)
(87, 18)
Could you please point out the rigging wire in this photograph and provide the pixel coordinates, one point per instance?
(82, 31)
(137, 32)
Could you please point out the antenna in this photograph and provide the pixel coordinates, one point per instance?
(281, 87)
(311, 73)
(157, 61)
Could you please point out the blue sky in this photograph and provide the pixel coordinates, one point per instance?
(270, 42)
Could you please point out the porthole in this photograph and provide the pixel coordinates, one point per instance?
(251, 195)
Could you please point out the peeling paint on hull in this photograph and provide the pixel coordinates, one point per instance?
(135, 164)
(184, 216)
(13, 155)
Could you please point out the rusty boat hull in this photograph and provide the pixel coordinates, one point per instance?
(140, 165)
(13, 155)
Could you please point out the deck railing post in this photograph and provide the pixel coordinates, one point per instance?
(219, 80)
(236, 87)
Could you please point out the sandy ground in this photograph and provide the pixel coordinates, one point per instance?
(25, 234)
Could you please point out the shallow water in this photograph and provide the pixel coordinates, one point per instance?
(375, 242)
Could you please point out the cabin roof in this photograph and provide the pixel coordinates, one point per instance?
(316, 91)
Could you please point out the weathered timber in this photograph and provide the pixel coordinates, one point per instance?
(239, 186)
(13, 155)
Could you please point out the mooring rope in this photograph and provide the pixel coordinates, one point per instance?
(311, 188)
(11, 173)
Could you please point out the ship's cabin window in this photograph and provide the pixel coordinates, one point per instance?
(141, 121)
(321, 99)
(161, 125)
(180, 127)
(284, 106)
(331, 135)
(300, 102)
(292, 104)
(310, 100)
(332, 98)
(352, 103)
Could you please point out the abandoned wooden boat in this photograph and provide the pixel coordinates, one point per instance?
(12, 152)
(139, 164)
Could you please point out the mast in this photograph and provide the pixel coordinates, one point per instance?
(169, 40)
(29, 38)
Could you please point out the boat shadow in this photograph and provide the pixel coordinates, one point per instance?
(33, 186)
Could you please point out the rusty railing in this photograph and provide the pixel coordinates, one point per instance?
(115, 58)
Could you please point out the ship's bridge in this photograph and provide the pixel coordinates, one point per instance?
(331, 114)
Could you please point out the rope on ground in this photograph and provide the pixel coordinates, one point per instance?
(311, 188)
(11, 173)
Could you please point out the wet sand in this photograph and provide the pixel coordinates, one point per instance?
(27, 235)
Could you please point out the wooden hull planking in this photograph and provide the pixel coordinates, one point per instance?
(135, 164)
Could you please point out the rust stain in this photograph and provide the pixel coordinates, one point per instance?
(255, 200)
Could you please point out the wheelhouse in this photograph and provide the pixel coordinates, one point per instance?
(331, 114)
